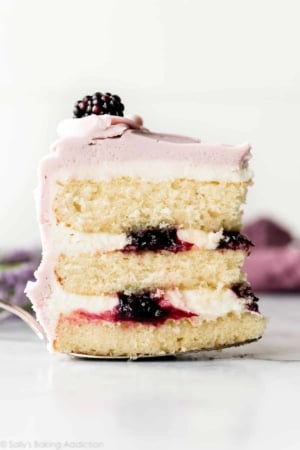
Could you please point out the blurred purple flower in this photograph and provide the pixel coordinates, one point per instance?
(16, 268)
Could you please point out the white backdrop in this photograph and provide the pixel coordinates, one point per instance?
(226, 71)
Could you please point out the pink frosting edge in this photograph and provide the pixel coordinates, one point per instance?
(38, 292)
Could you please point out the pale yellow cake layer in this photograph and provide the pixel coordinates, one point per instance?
(88, 274)
(120, 204)
(124, 339)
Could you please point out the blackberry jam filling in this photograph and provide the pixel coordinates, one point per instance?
(154, 239)
(143, 307)
(147, 306)
(233, 240)
(243, 290)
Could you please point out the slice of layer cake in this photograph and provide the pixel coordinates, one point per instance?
(142, 253)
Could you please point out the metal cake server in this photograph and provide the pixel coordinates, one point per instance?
(25, 316)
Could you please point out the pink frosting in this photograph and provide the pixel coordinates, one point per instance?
(138, 144)
(142, 145)
(98, 127)
(40, 291)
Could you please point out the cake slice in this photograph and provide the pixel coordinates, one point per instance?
(142, 250)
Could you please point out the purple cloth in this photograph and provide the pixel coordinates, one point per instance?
(16, 268)
(274, 263)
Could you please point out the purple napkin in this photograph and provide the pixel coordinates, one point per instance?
(16, 268)
(274, 263)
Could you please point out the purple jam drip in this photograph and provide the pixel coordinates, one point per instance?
(154, 239)
(233, 240)
(243, 290)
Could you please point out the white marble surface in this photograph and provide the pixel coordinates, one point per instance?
(246, 398)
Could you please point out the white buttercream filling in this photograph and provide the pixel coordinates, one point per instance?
(209, 304)
(201, 239)
(154, 170)
(65, 240)
(62, 302)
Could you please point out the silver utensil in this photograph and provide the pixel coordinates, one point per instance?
(25, 316)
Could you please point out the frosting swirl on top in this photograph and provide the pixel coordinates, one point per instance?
(98, 127)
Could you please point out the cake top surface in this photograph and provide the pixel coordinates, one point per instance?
(112, 138)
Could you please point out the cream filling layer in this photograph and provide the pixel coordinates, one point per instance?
(209, 304)
(153, 170)
(65, 240)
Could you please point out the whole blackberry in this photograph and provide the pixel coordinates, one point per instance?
(99, 104)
